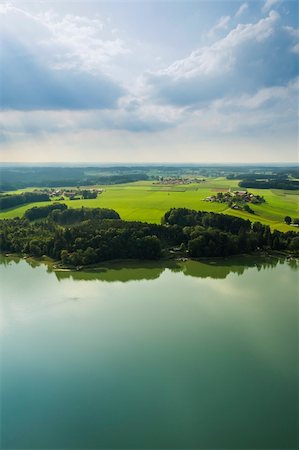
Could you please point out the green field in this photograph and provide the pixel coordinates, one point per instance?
(146, 201)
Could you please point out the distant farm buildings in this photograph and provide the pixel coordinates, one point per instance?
(237, 200)
(179, 180)
(71, 194)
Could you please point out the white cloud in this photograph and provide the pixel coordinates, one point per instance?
(295, 49)
(266, 108)
(234, 117)
(131, 115)
(81, 42)
(294, 32)
(5, 7)
(230, 85)
(241, 10)
(219, 57)
(66, 42)
(222, 24)
(269, 4)
(261, 97)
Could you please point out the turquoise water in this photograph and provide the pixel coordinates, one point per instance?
(189, 356)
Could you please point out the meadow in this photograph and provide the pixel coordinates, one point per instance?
(147, 201)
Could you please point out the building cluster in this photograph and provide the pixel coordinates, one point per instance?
(244, 196)
(236, 199)
(179, 180)
(71, 194)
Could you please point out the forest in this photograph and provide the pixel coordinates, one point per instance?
(282, 178)
(10, 201)
(278, 183)
(14, 177)
(85, 236)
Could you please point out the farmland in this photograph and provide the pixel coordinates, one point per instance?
(148, 201)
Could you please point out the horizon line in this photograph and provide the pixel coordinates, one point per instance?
(138, 163)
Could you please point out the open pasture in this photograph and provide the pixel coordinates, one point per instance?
(148, 201)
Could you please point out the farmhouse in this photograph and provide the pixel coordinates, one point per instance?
(70, 194)
(240, 193)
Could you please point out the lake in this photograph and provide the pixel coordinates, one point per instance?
(189, 355)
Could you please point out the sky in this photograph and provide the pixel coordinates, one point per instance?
(149, 81)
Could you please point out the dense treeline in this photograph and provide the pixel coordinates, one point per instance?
(249, 176)
(88, 242)
(59, 213)
(20, 177)
(10, 201)
(275, 178)
(88, 236)
(270, 184)
(107, 179)
(40, 212)
(71, 216)
(264, 173)
(188, 217)
(210, 234)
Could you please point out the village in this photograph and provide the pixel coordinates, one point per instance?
(237, 200)
(178, 180)
(71, 194)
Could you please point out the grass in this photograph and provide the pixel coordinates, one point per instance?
(146, 201)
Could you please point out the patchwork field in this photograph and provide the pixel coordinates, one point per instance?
(147, 201)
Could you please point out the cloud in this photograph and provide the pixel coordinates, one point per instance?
(131, 115)
(56, 63)
(222, 24)
(265, 97)
(61, 72)
(295, 49)
(294, 34)
(68, 41)
(241, 62)
(269, 112)
(80, 43)
(241, 10)
(220, 55)
(28, 84)
(269, 4)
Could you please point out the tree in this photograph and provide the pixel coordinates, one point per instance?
(34, 248)
(288, 220)
(64, 255)
(150, 247)
(90, 256)
(196, 246)
(8, 201)
(294, 245)
(98, 235)
(275, 244)
(89, 194)
(248, 209)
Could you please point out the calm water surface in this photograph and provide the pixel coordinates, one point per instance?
(192, 356)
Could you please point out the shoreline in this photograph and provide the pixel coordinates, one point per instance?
(118, 264)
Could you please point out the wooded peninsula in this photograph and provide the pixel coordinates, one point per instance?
(87, 236)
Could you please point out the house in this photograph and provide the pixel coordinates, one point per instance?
(70, 194)
(240, 193)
